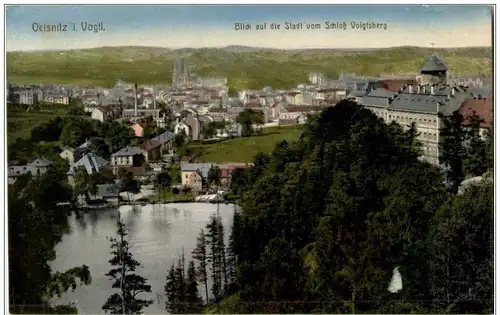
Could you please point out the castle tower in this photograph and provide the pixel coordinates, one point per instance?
(433, 71)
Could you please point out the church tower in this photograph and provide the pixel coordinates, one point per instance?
(176, 75)
(187, 74)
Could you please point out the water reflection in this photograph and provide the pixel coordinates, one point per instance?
(158, 235)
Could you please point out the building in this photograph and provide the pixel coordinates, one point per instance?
(90, 162)
(481, 107)
(127, 157)
(421, 104)
(138, 129)
(129, 113)
(68, 154)
(81, 150)
(319, 79)
(28, 97)
(35, 168)
(166, 140)
(193, 174)
(101, 113)
(57, 99)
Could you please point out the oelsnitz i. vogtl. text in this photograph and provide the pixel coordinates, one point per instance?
(72, 27)
(330, 25)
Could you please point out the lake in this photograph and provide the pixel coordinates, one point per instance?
(158, 235)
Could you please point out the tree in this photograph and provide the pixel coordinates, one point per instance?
(129, 184)
(200, 255)
(36, 224)
(193, 299)
(237, 180)
(163, 180)
(248, 118)
(214, 176)
(476, 158)
(131, 285)
(453, 151)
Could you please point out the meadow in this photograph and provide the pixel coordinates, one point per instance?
(243, 150)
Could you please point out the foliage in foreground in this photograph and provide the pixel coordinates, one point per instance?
(326, 219)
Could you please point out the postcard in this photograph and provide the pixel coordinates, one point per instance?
(243, 158)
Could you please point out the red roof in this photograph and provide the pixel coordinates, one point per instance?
(482, 107)
(302, 108)
(179, 94)
(199, 102)
(329, 90)
(252, 105)
(293, 93)
(395, 85)
(150, 145)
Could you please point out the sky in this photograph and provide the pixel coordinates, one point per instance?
(181, 26)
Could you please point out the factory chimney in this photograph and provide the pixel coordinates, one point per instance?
(135, 100)
(154, 96)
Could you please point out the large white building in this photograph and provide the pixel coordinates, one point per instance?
(420, 104)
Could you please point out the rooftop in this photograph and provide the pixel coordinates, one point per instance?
(434, 63)
(129, 151)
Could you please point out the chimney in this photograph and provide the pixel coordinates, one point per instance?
(437, 106)
(410, 88)
(432, 90)
(154, 96)
(418, 89)
(135, 100)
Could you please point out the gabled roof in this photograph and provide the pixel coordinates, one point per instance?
(91, 162)
(129, 151)
(381, 92)
(150, 145)
(434, 63)
(164, 137)
(41, 162)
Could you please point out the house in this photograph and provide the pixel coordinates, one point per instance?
(153, 149)
(294, 97)
(291, 114)
(109, 193)
(182, 127)
(138, 129)
(81, 150)
(90, 162)
(193, 174)
(194, 127)
(227, 170)
(57, 99)
(128, 156)
(101, 113)
(35, 168)
(481, 107)
(166, 140)
(68, 154)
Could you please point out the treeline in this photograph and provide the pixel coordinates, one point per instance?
(326, 220)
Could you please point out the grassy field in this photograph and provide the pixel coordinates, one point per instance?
(244, 68)
(20, 122)
(241, 150)
(167, 195)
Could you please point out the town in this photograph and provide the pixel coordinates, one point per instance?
(131, 148)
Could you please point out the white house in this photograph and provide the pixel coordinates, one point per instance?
(68, 154)
(98, 114)
(180, 126)
(125, 157)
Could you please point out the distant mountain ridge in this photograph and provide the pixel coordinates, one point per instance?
(244, 66)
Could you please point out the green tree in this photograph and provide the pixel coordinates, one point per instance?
(476, 158)
(36, 225)
(453, 151)
(131, 285)
(200, 255)
(214, 176)
(129, 184)
(248, 118)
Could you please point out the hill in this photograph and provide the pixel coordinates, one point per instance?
(245, 67)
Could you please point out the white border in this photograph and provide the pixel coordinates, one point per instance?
(3, 124)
